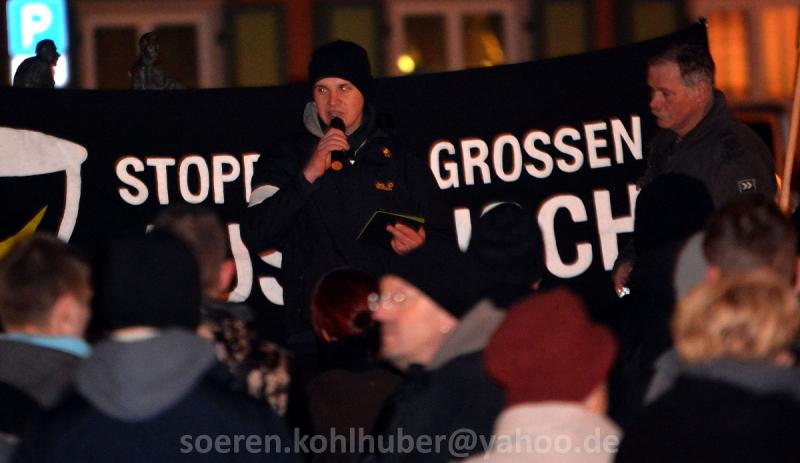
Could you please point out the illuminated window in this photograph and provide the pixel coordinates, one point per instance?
(188, 31)
(727, 37)
(754, 44)
(425, 43)
(357, 21)
(565, 28)
(778, 49)
(652, 18)
(445, 35)
(257, 52)
(483, 45)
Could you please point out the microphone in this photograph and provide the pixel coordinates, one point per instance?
(338, 157)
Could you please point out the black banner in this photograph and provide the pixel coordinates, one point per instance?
(566, 137)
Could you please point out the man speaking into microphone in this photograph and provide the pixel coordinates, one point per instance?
(313, 195)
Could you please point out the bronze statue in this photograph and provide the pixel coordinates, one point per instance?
(145, 74)
(38, 71)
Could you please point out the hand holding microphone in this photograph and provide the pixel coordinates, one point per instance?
(338, 157)
(334, 140)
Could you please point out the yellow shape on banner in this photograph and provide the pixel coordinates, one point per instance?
(27, 230)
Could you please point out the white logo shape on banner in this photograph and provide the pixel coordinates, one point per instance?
(25, 153)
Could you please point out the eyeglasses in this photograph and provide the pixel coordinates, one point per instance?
(388, 300)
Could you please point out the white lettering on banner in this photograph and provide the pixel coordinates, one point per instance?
(139, 196)
(161, 165)
(249, 161)
(475, 154)
(569, 149)
(222, 175)
(197, 178)
(451, 167)
(244, 268)
(608, 229)
(546, 219)
(512, 174)
(201, 167)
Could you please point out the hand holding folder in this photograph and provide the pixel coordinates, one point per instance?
(374, 230)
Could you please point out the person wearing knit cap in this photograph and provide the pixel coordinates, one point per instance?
(552, 362)
(507, 245)
(151, 383)
(433, 328)
(317, 189)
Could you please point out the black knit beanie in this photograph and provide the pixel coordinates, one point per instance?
(507, 243)
(150, 280)
(444, 273)
(345, 60)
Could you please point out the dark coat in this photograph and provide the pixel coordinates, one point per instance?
(706, 421)
(39, 371)
(315, 225)
(725, 155)
(428, 404)
(76, 431)
(153, 400)
(445, 410)
(342, 400)
(642, 326)
(34, 72)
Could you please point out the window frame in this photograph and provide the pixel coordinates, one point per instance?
(145, 16)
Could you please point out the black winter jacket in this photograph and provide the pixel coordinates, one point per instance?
(315, 225)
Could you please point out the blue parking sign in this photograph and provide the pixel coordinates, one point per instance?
(30, 21)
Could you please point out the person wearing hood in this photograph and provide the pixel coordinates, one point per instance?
(253, 363)
(146, 392)
(45, 290)
(434, 329)
(313, 194)
(748, 234)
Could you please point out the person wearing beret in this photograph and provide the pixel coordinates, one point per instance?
(552, 362)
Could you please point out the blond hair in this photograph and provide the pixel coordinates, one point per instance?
(745, 317)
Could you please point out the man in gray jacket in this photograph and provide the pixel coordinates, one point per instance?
(699, 136)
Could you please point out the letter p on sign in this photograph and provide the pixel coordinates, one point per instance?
(35, 18)
(30, 21)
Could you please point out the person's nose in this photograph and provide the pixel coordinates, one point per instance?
(334, 98)
(655, 101)
(381, 313)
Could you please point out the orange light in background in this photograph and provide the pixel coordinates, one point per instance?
(482, 44)
(727, 37)
(779, 42)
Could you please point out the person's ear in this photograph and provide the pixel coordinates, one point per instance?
(713, 273)
(227, 272)
(68, 317)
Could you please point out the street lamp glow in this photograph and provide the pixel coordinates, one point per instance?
(406, 64)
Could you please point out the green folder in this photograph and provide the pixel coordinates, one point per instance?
(374, 231)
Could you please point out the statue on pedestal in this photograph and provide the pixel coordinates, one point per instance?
(146, 74)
